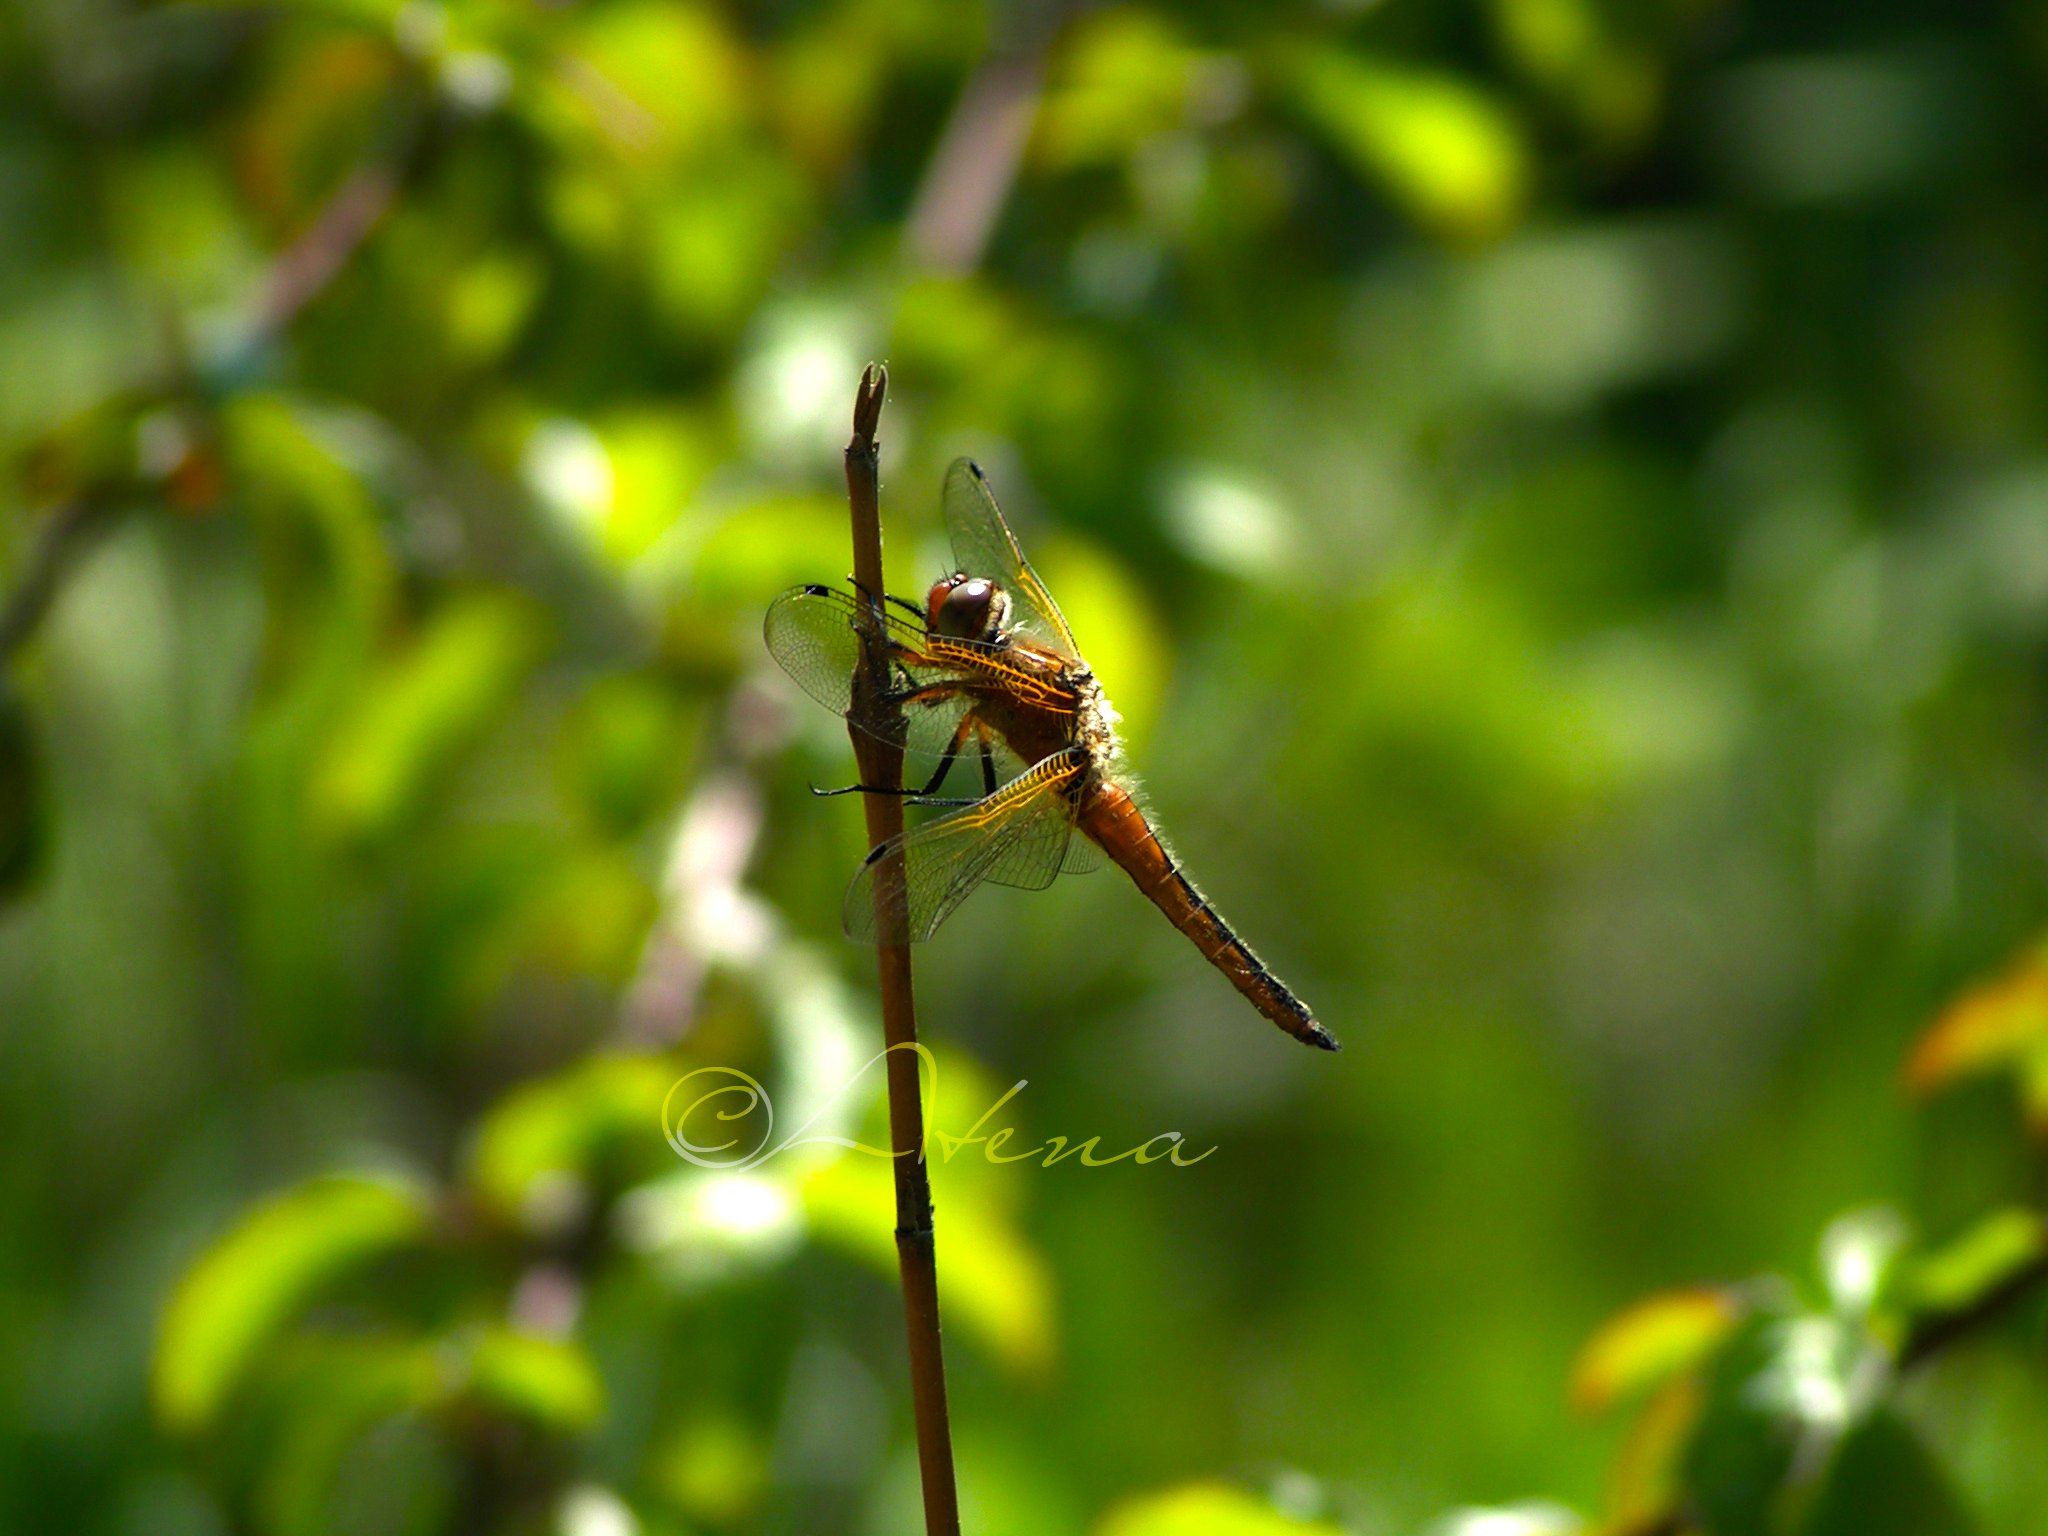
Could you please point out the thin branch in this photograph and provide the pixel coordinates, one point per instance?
(299, 275)
(324, 247)
(877, 731)
(974, 165)
(64, 537)
(961, 196)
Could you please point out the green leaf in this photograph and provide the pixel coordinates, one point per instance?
(429, 702)
(1858, 1253)
(329, 578)
(1659, 1338)
(1740, 1454)
(1440, 146)
(709, 1226)
(550, 1382)
(542, 1147)
(1883, 1481)
(995, 1283)
(1535, 1519)
(1125, 78)
(714, 1467)
(242, 1291)
(1205, 1509)
(333, 1393)
(626, 751)
(1966, 1270)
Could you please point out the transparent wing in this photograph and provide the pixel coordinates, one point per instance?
(1018, 836)
(984, 546)
(813, 634)
(1082, 857)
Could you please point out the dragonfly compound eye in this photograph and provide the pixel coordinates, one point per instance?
(966, 607)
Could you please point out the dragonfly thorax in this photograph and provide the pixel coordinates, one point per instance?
(963, 607)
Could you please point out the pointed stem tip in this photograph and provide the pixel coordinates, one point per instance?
(867, 405)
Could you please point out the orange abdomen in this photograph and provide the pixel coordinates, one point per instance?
(1112, 818)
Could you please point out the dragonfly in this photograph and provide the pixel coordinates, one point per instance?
(987, 673)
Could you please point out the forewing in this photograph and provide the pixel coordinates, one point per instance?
(984, 546)
(1018, 836)
(813, 634)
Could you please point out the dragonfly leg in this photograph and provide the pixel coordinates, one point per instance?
(912, 796)
(889, 597)
(928, 793)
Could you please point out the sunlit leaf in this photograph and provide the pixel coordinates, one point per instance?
(651, 84)
(429, 703)
(176, 217)
(713, 1468)
(487, 300)
(1996, 1023)
(764, 546)
(541, 1150)
(713, 244)
(1566, 46)
(254, 1280)
(625, 751)
(1509, 1520)
(1658, 1338)
(1857, 1254)
(1205, 1509)
(1969, 1268)
(551, 1382)
(1117, 624)
(707, 1225)
(1644, 1479)
(995, 1284)
(329, 577)
(1439, 145)
(1124, 77)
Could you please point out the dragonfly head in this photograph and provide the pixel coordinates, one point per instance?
(964, 607)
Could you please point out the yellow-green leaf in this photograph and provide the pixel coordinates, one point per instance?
(1966, 1270)
(551, 1382)
(1659, 1338)
(253, 1281)
(1999, 1023)
(422, 709)
(331, 1394)
(1205, 1509)
(994, 1283)
(537, 1150)
(1441, 147)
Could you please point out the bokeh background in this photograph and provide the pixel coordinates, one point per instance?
(1557, 490)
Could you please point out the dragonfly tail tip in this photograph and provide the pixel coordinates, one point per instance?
(1321, 1038)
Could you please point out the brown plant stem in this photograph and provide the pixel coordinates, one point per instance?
(877, 732)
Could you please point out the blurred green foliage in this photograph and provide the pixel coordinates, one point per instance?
(1556, 491)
